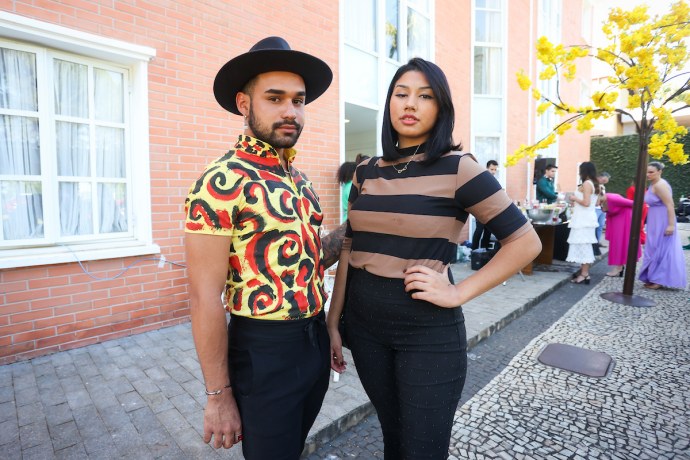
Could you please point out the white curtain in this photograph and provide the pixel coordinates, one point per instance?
(70, 90)
(20, 200)
(360, 23)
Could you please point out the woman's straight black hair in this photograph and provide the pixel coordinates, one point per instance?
(440, 139)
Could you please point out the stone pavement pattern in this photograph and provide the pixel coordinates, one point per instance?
(640, 411)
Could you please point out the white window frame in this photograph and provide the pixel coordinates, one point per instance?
(26, 32)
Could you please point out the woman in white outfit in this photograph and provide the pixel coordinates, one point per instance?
(583, 222)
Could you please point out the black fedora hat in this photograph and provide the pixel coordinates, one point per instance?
(271, 54)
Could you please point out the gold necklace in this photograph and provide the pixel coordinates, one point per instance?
(400, 171)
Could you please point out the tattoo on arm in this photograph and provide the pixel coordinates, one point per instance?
(331, 244)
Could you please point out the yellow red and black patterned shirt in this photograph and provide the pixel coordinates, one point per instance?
(273, 220)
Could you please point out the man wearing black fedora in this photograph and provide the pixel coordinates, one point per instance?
(252, 234)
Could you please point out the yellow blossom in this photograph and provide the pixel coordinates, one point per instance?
(523, 80)
(563, 128)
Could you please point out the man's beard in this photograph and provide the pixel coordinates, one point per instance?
(270, 135)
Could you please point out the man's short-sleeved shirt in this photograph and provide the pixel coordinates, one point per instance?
(273, 220)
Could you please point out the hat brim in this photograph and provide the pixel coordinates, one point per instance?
(232, 77)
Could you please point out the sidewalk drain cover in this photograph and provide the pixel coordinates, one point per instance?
(576, 359)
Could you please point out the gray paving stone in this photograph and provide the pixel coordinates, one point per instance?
(27, 396)
(115, 418)
(89, 422)
(6, 393)
(172, 420)
(78, 398)
(131, 401)
(120, 385)
(101, 447)
(179, 374)
(145, 386)
(170, 388)
(58, 414)
(39, 452)
(9, 431)
(133, 373)
(145, 420)
(8, 411)
(185, 404)
(158, 402)
(30, 413)
(65, 435)
(75, 452)
(34, 434)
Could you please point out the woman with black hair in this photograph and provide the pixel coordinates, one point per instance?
(344, 175)
(583, 222)
(404, 319)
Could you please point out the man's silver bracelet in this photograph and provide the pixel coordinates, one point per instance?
(217, 392)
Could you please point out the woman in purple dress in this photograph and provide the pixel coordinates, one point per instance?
(663, 263)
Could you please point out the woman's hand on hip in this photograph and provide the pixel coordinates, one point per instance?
(423, 283)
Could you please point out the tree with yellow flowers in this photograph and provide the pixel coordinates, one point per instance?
(646, 57)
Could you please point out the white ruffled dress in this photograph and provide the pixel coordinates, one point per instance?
(583, 223)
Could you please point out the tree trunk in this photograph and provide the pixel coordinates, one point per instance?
(638, 203)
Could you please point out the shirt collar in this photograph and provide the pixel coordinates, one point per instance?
(263, 149)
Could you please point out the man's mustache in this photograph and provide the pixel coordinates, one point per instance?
(287, 123)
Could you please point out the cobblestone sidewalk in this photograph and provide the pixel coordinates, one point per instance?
(640, 411)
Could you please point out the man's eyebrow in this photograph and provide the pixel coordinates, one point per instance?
(281, 92)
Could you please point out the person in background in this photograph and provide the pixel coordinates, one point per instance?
(630, 194)
(546, 190)
(663, 263)
(252, 235)
(603, 179)
(583, 222)
(344, 175)
(618, 220)
(404, 321)
(481, 236)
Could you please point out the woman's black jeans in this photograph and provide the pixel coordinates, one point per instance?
(411, 357)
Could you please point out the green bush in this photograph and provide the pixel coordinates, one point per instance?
(618, 156)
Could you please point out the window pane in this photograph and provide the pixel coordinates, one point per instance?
(108, 95)
(360, 77)
(72, 147)
(488, 71)
(488, 27)
(495, 4)
(18, 80)
(112, 200)
(360, 23)
(71, 89)
(19, 146)
(110, 152)
(487, 148)
(392, 29)
(417, 35)
(75, 209)
(22, 210)
(421, 5)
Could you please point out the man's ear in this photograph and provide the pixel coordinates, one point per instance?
(243, 101)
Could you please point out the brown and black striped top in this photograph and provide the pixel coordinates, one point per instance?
(400, 220)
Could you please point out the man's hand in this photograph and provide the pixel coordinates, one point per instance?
(222, 420)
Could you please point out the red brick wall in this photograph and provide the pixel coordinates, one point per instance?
(57, 307)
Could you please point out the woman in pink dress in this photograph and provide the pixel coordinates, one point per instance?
(618, 222)
(663, 263)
